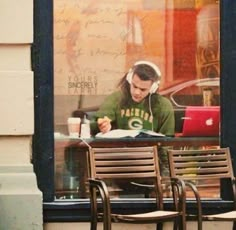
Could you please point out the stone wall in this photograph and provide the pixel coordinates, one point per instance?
(20, 199)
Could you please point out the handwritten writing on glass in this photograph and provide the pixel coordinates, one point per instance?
(89, 46)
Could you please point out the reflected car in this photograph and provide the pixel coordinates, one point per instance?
(191, 93)
(198, 92)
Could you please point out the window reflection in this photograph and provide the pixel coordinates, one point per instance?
(96, 42)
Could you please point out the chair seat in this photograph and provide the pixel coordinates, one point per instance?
(222, 216)
(145, 217)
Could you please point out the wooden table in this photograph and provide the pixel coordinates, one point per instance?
(65, 141)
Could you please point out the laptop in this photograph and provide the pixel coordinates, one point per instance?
(201, 121)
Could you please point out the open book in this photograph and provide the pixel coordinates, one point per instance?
(119, 133)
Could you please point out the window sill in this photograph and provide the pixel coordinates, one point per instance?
(79, 210)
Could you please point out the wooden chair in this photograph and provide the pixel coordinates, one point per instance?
(129, 164)
(199, 167)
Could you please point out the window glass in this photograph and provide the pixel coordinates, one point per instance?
(96, 42)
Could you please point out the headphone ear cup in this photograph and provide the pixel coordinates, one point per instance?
(129, 76)
(154, 87)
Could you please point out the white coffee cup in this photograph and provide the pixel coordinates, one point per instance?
(74, 126)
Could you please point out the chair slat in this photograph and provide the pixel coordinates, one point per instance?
(121, 170)
(181, 158)
(186, 164)
(125, 155)
(124, 175)
(124, 162)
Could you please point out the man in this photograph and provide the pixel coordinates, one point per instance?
(136, 104)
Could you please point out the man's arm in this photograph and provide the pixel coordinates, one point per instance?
(101, 122)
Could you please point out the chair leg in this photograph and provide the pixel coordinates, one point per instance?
(199, 227)
(182, 223)
(234, 225)
(159, 226)
(176, 224)
(93, 222)
(93, 225)
(106, 222)
(107, 226)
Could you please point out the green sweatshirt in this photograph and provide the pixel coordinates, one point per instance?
(137, 115)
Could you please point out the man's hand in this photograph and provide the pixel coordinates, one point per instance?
(104, 124)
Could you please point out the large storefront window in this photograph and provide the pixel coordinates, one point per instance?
(95, 45)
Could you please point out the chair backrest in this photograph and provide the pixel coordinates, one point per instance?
(128, 163)
(201, 166)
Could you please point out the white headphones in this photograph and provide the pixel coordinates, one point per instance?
(155, 84)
